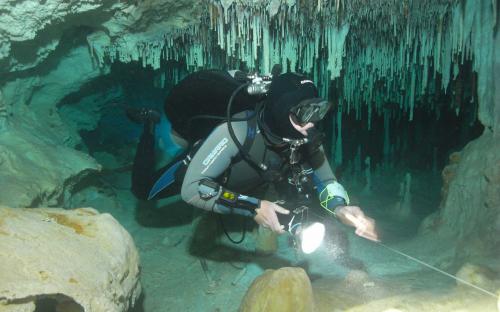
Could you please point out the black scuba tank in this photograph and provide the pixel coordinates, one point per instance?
(201, 94)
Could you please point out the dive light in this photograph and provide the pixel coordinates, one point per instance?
(308, 235)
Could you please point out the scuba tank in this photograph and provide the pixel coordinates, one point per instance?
(198, 103)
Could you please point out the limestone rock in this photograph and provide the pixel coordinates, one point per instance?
(476, 275)
(42, 23)
(286, 289)
(471, 206)
(38, 173)
(78, 258)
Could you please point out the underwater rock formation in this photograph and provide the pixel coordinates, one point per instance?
(77, 258)
(402, 208)
(448, 174)
(483, 277)
(31, 31)
(38, 159)
(38, 173)
(283, 290)
(43, 58)
(471, 209)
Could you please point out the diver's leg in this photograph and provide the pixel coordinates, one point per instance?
(143, 168)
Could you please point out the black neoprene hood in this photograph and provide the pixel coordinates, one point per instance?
(286, 91)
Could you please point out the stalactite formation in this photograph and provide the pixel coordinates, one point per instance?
(415, 50)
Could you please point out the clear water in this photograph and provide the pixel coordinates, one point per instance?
(408, 93)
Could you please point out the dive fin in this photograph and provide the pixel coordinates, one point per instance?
(166, 179)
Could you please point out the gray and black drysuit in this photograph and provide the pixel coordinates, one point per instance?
(215, 160)
(217, 168)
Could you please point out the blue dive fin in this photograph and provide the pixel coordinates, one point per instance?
(166, 179)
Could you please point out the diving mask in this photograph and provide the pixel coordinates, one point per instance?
(310, 110)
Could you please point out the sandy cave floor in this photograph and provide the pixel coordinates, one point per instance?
(173, 277)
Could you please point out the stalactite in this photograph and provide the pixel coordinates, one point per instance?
(387, 143)
(403, 207)
(99, 44)
(414, 51)
(3, 113)
(403, 65)
(368, 176)
(357, 161)
(338, 144)
(259, 36)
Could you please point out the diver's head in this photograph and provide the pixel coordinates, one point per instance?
(293, 106)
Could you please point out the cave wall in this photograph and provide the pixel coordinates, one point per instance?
(469, 214)
(32, 30)
(44, 58)
(39, 163)
(473, 201)
(470, 206)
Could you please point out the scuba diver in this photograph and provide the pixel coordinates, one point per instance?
(273, 139)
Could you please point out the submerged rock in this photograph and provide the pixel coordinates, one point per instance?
(72, 258)
(482, 277)
(36, 173)
(286, 289)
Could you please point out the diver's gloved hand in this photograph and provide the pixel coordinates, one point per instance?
(266, 216)
(354, 216)
(142, 115)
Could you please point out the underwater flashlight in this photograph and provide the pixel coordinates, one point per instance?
(307, 235)
(311, 237)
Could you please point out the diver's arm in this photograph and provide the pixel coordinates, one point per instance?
(213, 158)
(333, 197)
(331, 193)
(200, 189)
